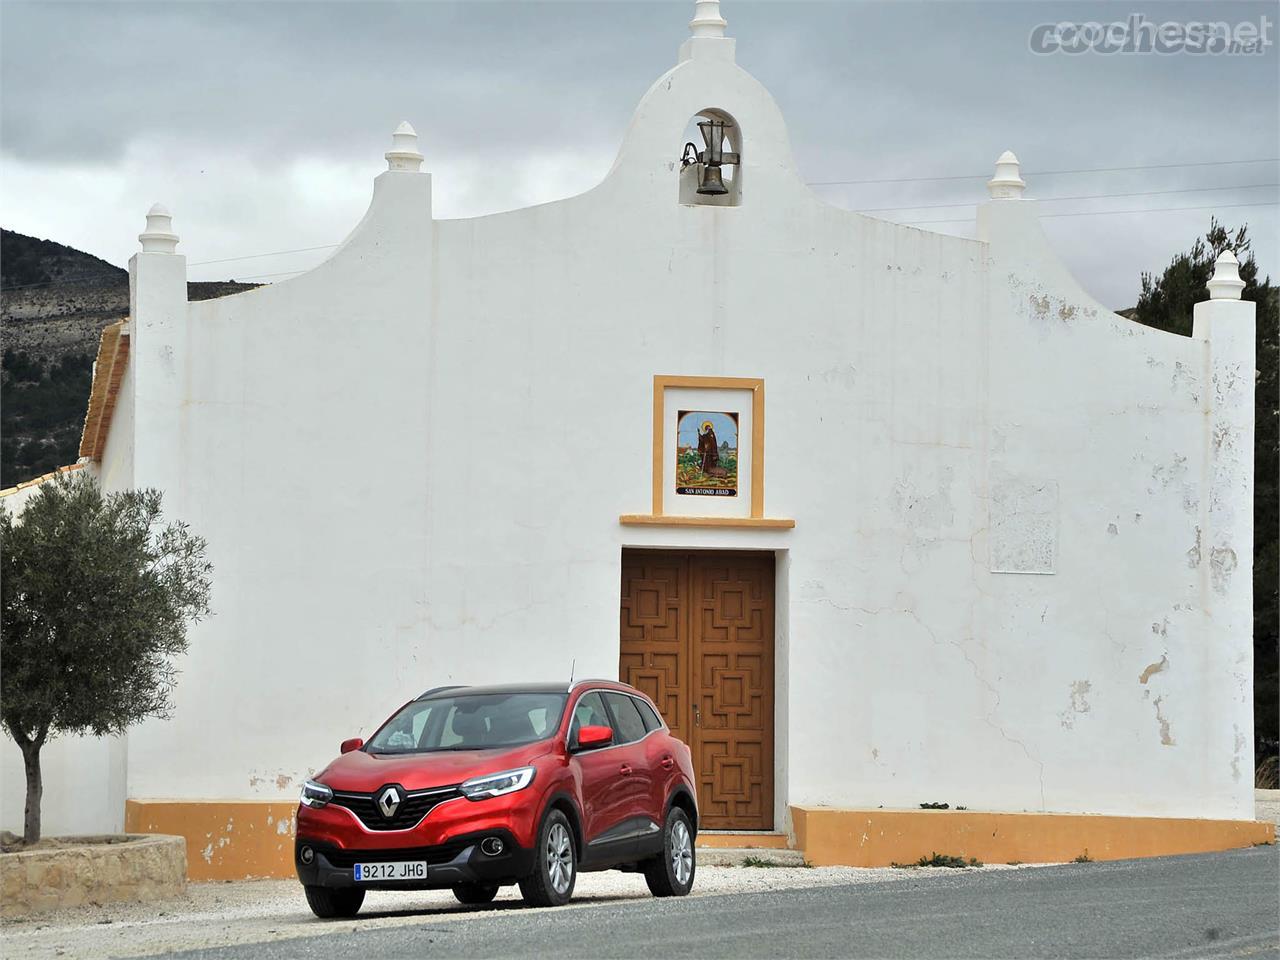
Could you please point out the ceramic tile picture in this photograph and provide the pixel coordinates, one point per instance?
(706, 453)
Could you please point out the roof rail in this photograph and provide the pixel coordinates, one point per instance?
(577, 683)
(435, 690)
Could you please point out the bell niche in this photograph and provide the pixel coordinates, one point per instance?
(711, 162)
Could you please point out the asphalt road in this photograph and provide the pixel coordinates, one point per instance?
(1210, 905)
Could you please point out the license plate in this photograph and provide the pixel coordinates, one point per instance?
(397, 870)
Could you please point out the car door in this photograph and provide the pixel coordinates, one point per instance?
(600, 773)
(638, 813)
(659, 758)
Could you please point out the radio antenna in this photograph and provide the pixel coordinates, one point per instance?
(573, 665)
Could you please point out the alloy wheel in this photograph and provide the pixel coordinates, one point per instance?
(681, 853)
(559, 858)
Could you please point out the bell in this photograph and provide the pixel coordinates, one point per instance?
(712, 184)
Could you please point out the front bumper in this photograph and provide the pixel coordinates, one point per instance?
(459, 861)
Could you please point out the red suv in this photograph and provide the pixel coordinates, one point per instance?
(475, 788)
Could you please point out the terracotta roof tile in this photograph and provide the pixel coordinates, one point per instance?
(108, 371)
(9, 491)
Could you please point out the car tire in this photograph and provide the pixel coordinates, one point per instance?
(670, 874)
(476, 893)
(555, 864)
(330, 904)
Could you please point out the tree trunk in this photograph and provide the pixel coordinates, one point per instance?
(35, 791)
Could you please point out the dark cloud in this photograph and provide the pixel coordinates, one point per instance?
(870, 90)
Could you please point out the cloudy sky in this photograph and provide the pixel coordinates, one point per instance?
(261, 125)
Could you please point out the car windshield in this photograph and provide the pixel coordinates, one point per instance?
(470, 722)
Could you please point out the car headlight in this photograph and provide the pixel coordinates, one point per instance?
(496, 784)
(315, 794)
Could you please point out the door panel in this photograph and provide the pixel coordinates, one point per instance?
(604, 789)
(655, 636)
(663, 776)
(732, 646)
(697, 637)
(628, 729)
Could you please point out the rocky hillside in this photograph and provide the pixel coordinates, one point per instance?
(54, 302)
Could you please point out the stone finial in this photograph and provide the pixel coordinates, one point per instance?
(707, 21)
(1225, 284)
(404, 154)
(1007, 184)
(159, 236)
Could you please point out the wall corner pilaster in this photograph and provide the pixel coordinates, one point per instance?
(1227, 325)
(158, 354)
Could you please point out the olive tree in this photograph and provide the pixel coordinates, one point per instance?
(98, 593)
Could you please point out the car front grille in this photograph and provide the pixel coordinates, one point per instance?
(441, 853)
(412, 809)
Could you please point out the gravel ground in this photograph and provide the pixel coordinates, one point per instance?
(226, 914)
(1267, 805)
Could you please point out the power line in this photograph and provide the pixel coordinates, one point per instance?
(88, 278)
(1047, 173)
(905, 223)
(1081, 213)
(263, 276)
(1106, 213)
(1095, 196)
(259, 256)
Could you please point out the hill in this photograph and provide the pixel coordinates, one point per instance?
(54, 302)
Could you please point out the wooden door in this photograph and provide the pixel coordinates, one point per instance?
(655, 633)
(697, 636)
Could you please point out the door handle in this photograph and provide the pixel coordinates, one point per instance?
(667, 763)
(697, 716)
(625, 769)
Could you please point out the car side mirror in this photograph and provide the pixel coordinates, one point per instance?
(355, 743)
(591, 738)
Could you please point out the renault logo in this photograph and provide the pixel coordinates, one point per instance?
(389, 801)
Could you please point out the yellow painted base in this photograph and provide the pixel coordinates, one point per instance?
(879, 838)
(226, 839)
(253, 839)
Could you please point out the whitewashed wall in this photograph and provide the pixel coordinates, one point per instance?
(410, 464)
(84, 786)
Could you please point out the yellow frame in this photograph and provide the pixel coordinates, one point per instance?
(757, 518)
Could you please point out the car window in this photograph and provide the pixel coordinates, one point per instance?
(589, 712)
(456, 730)
(420, 724)
(403, 732)
(470, 722)
(628, 727)
(650, 716)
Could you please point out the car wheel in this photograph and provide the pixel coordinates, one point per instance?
(332, 904)
(475, 892)
(670, 874)
(555, 867)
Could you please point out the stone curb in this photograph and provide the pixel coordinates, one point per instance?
(145, 867)
(733, 857)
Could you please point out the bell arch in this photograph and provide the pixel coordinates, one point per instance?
(711, 164)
